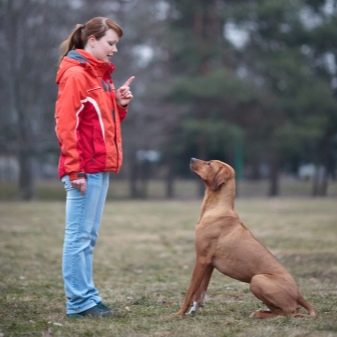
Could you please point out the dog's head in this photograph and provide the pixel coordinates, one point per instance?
(214, 173)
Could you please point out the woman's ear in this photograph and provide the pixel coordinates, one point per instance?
(91, 41)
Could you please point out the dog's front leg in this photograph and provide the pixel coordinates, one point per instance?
(201, 292)
(198, 298)
(198, 275)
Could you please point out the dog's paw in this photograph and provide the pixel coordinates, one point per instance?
(174, 315)
(178, 314)
(193, 309)
(191, 312)
(253, 315)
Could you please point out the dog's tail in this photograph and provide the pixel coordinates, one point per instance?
(307, 306)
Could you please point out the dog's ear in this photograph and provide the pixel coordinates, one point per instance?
(219, 178)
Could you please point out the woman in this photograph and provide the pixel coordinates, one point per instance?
(88, 115)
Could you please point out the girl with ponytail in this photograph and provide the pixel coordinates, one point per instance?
(88, 115)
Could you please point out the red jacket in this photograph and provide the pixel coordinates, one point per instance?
(87, 116)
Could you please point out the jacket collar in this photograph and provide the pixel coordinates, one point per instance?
(101, 68)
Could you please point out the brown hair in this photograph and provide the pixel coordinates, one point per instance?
(94, 27)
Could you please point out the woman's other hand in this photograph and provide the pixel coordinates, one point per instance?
(80, 184)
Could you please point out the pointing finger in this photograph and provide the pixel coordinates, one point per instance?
(128, 81)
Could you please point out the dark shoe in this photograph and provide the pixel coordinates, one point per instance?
(114, 312)
(74, 316)
(96, 311)
(102, 306)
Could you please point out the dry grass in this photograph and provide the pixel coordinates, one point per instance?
(143, 263)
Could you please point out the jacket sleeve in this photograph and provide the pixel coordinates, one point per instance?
(122, 111)
(67, 109)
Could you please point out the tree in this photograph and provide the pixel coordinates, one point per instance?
(29, 39)
(284, 57)
(24, 73)
(204, 83)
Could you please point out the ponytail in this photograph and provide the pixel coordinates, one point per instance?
(74, 41)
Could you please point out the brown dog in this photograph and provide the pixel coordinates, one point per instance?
(224, 243)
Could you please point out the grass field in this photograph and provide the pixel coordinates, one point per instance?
(143, 263)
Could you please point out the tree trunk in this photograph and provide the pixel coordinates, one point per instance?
(169, 191)
(202, 154)
(274, 186)
(133, 191)
(26, 179)
(144, 168)
(324, 162)
(320, 182)
(23, 138)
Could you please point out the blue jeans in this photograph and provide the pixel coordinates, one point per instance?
(83, 218)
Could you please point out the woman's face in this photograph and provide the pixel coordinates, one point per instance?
(105, 47)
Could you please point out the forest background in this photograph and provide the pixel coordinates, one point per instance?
(252, 83)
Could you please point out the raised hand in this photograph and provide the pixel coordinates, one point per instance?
(124, 94)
